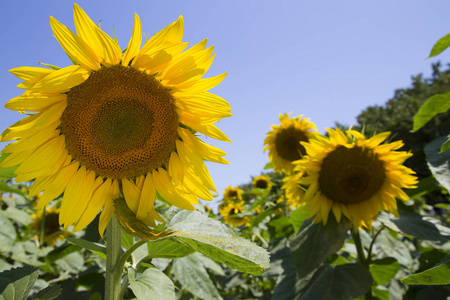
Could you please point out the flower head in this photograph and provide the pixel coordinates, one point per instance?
(262, 182)
(117, 119)
(283, 142)
(231, 213)
(52, 230)
(232, 194)
(354, 176)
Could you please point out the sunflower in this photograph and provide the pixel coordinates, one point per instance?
(283, 142)
(292, 189)
(117, 123)
(231, 213)
(354, 176)
(262, 182)
(52, 229)
(232, 194)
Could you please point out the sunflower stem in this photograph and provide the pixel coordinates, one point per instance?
(113, 268)
(361, 257)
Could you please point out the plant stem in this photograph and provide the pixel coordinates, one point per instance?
(361, 257)
(113, 267)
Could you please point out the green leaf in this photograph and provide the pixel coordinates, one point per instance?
(6, 173)
(60, 252)
(442, 44)
(152, 282)
(191, 273)
(439, 163)
(5, 188)
(425, 185)
(98, 249)
(127, 240)
(7, 234)
(383, 270)
(434, 105)
(49, 293)
(297, 218)
(315, 242)
(413, 224)
(381, 292)
(445, 146)
(280, 227)
(260, 217)
(340, 282)
(16, 284)
(167, 248)
(434, 276)
(17, 215)
(268, 166)
(217, 241)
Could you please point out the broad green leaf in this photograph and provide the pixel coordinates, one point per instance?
(16, 284)
(297, 218)
(445, 146)
(7, 234)
(315, 242)
(439, 163)
(413, 224)
(61, 252)
(167, 248)
(152, 284)
(268, 166)
(340, 282)
(49, 293)
(216, 240)
(280, 227)
(442, 44)
(193, 277)
(381, 292)
(434, 105)
(383, 270)
(98, 249)
(127, 240)
(434, 276)
(17, 215)
(260, 217)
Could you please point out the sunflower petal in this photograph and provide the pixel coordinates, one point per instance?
(62, 80)
(135, 42)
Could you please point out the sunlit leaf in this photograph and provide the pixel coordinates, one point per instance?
(167, 248)
(7, 234)
(297, 218)
(315, 242)
(383, 270)
(61, 252)
(439, 163)
(434, 276)
(445, 146)
(442, 44)
(152, 283)
(191, 273)
(16, 284)
(434, 105)
(6, 173)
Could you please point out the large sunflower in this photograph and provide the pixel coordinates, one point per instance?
(283, 142)
(117, 121)
(354, 176)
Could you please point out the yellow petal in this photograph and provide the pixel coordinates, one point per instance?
(131, 193)
(34, 101)
(74, 46)
(106, 49)
(135, 42)
(108, 209)
(90, 205)
(62, 80)
(147, 198)
(166, 189)
(73, 191)
(200, 86)
(31, 74)
(204, 150)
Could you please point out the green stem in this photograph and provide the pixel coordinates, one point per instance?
(369, 253)
(113, 268)
(361, 257)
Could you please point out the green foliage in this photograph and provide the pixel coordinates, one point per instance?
(442, 44)
(439, 163)
(152, 282)
(383, 270)
(434, 276)
(434, 105)
(49, 293)
(98, 249)
(16, 284)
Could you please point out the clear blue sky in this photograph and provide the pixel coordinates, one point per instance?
(327, 60)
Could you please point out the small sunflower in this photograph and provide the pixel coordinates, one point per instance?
(262, 182)
(293, 190)
(232, 194)
(52, 229)
(283, 142)
(117, 119)
(354, 177)
(231, 211)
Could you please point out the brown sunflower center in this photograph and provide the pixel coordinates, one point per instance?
(51, 223)
(351, 176)
(232, 194)
(288, 144)
(120, 123)
(234, 211)
(262, 184)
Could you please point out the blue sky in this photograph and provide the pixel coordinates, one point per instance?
(326, 60)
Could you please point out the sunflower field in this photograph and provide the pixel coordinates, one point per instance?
(103, 185)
